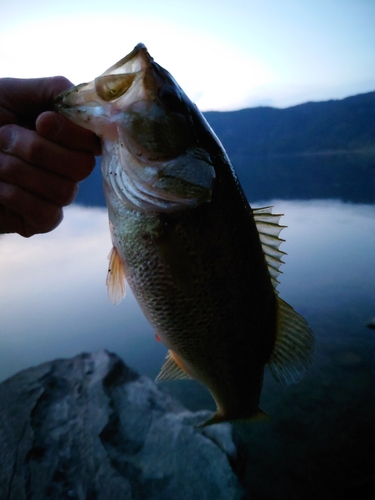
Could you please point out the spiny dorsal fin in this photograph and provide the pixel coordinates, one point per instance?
(294, 346)
(115, 277)
(171, 370)
(269, 229)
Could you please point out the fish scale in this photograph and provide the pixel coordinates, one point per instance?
(201, 263)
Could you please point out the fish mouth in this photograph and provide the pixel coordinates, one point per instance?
(135, 102)
(114, 82)
(133, 86)
(146, 123)
(118, 79)
(132, 61)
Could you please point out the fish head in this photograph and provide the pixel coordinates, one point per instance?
(147, 124)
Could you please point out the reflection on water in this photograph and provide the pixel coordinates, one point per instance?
(53, 299)
(53, 304)
(347, 177)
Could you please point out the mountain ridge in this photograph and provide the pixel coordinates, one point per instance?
(341, 124)
(312, 150)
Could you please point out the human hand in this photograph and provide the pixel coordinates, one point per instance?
(43, 156)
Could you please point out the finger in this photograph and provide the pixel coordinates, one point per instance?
(32, 148)
(27, 98)
(59, 129)
(26, 214)
(11, 222)
(42, 183)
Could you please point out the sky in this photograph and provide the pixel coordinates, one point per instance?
(225, 54)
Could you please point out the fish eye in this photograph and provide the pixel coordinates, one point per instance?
(171, 99)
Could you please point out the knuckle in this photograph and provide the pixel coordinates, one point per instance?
(8, 194)
(7, 166)
(68, 192)
(27, 231)
(60, 83)
(10, 221)
(85, 164)
(34, 151)
(33, 215)
(8, 137)
(22, 143)
(12, 169)
(47, 221)
(55, 219)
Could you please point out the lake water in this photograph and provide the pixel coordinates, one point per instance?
(318, 444)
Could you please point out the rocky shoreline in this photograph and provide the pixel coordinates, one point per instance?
(91, 428)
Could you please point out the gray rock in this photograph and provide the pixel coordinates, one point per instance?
(90, 428)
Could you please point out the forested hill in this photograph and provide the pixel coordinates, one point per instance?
(314, 127)
(284, 152)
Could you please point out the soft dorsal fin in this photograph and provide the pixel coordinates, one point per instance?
(269, 229)
(172, 369)
(115, 277)
(294, 346)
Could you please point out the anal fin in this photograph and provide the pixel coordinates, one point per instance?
(172, 369)
(115, 277)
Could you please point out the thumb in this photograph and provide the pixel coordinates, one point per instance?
(25, 99)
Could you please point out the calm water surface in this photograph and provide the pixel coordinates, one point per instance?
(319, 442)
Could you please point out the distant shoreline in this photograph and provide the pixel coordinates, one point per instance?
(361, 151)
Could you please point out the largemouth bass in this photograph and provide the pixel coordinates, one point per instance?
(201, 263)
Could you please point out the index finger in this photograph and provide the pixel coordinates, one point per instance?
(25, 99)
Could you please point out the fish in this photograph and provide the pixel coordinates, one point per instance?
(202, 264)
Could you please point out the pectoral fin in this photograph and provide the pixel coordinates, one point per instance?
(115, 277)
(172, 369)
